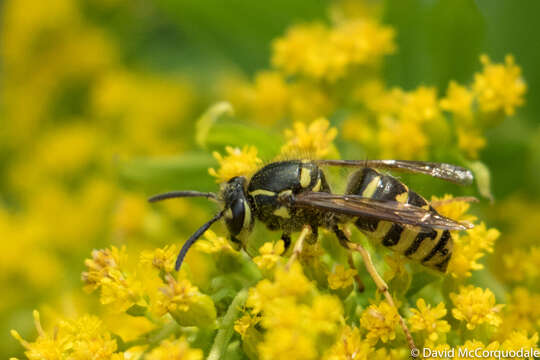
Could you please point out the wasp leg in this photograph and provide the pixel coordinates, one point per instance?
(357, 279)
(314, 236)
(286, 241)
(299, 245)
(381, 285)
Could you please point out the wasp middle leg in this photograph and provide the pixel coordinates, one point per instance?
(379, 282)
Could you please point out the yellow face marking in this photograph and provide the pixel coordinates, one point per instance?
(372, 187)
(403, 197)
(305, 177)
(317, 186)
(247, 216)
(282, 212)
(262, 192)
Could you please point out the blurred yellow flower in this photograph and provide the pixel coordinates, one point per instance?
(470, 141)
(174, 350)
(186, 304)
(82, 338)
(347, 45)
(458, 101)
(341, 277)
(350, 345)
(380, 321)
(212, 243)
(499, 87)
(401, 139)
(521, 312)
(314, 140)
(162, 259)
(520, 340)
(420, 106)
(237, 162)
(269, 255)
(475, 306)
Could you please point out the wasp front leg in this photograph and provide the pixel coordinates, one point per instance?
(379, 282)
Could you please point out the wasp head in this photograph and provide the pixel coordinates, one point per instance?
(238, 216)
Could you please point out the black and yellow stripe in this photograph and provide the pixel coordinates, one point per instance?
(430, 247)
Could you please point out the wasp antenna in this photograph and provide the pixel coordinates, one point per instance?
(181, 194)
(194, 238)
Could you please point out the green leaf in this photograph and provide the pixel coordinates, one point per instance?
(236, 134)
(419, 281)
(187, 171)
(483, 178)
(210, 116)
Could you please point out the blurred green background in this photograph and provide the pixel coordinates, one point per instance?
(64, 62)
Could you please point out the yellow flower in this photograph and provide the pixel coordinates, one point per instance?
(380, 321)
(349, 44)
(174, 350)
(469, 248)
(452, 208)
(499, 87)
(458, 101)
(102, 262)
(391, 135)
(269, 255)
(246, 321)
(518, 270)
(396, 263)
(300, 323)
(519, 340)
(287, 344)
(82, 338)
(269, 98)
(350, 345)
(186, 304)
(236, 163)
(162, 259)
(287, 283)
(341, 277)
(421, 105)
(475, 306)
(522, 312)
(470, 141)
(314, 140)
(427, 318)
(105, 271)
(211, 243)
(308, 101)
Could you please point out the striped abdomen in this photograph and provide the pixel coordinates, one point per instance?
(430, 247)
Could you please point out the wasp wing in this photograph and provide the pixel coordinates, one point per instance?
(393, 211)
(448, 172)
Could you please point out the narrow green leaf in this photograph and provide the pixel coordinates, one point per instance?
(210, 116)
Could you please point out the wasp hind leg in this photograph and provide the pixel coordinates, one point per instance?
(379, 282)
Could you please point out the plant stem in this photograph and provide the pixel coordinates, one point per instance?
(225, 332)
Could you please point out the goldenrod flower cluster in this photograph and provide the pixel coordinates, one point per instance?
(89, 135)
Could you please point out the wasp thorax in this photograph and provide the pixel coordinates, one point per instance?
(238, 217)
